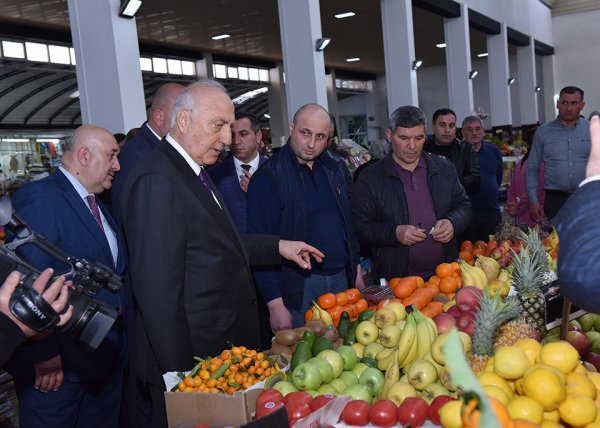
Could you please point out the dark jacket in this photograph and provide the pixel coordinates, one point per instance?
(379, 206)
(465, 161)
(283, 172)
(11, 336)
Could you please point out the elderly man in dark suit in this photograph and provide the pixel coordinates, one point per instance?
(233, 174)
(58, 382)
(190, 270)
(150, 133)
(578, 226)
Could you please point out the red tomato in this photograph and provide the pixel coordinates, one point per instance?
(356, 413)
(269, 395)
(266, 408)
(384, 413)
(413, 412)
(320, 400)
(435, 406)
(298, 396)
(297, 410)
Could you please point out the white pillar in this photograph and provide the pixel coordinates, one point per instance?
(380, 104)
(526, 78)
(204, 66)
(300, 26)
(548, 88)
(399, 53)
(111, 90)
(332, 100)
(500, 108)
(277, 107)
(458, 63)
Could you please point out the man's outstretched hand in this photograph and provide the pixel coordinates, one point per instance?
(299, 252)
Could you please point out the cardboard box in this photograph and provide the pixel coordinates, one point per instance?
(210, 408)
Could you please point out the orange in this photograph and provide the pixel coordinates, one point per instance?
(405, 287)
(435, 280)
(353, 295)
(335, 312)
(351, 309)
(444, 270)
(448, 285)
(361, 305)
(308, 315)
(341, 298)
(393, 282)
(326, 301)
(456, 267)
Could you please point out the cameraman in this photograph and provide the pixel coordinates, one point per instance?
(12, 331)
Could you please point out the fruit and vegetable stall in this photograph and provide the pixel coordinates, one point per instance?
(469, 347)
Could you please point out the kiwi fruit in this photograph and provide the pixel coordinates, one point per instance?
(277, 348)
(317, 327)
(331, 334)
(287, 337)
(301, 330)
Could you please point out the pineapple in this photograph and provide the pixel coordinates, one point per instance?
(529, 268)
(492, 314)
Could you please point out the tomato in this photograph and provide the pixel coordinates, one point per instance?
(384, 413)
(298, 396)
(269, 395)
(413, 412)
(297, 410)
(320, 400)
(268, 407)
(356, 413)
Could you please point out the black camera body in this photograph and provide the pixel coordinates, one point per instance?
(91, 320)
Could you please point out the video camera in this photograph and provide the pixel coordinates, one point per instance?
(91, 319)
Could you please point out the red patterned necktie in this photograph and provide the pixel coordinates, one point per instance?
(95, 211)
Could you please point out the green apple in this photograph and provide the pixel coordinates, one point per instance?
(324, 368)
(400, 324)
(339, 385)
(306, 376)
(432, 391)
(594, 337)
(313, 392)
(400, 391)
(328, 389)
(335, 359)
(372, 349)
(348, 355)
(587, 321)
(398, 308)
(575, 323)
(366, 332)
(446, 379)
(385, 317)
(358, 392)
(359, 368)
(373, 379)
(358, 348)
(421, 374)
(597, 322)
(285, 387)
(389, 336)
(349, 377)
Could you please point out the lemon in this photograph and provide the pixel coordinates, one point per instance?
(593, 425)
(531, 347)
(523, 407)
(553, 416)
(450, 414)
(595, 378)
(492, 379)
(544, 386)
(498, 393)
(560, 354)
(578, 410)
(580, 384)
(580, 369)
(510, 362)
(550, 424)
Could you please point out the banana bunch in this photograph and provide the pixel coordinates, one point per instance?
(472, 275)
(489, 266)
(417, 337)
(319, 313)
(505, 276)
(392, 374)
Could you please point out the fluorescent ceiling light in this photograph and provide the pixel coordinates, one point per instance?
(352, 59)
(221, 36)
(74, 94)
(482, 55)
(441, 45)
(344, 15)
(322, 43)
(416, 64)
(473, 73)
(267, 115)
(129, 8)
(538, 88)
(249, 95)
(15, 140)
(511, 80)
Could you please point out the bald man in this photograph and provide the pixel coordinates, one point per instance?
(150, 133)
(58, 382)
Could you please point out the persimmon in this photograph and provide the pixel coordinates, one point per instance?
(479, 251)
(444, 270)
(382, 303)
(456, 267)
(341, 299)
(467, 256)
(448, 285)
(434, 287)
(466, 246)
(361, 305)
(420, 281)
(351, 309)
(308, 315)
(394, 281)
(435, 307)
(353, 295)
(405, 287)
(434, 280)
(335, 313)
(326, 301)
(479, 244)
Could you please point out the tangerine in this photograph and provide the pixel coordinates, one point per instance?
(444, 270)
(393, 282)
(361, 305)
(448, 285)
(341, 299)
(326, 301)
(353, 295)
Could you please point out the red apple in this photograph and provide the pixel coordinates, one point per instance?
(496, 253)
(505, 245)
(444, 322)
(413, 412)
(454, 311)
(268, 407)
(466, 323)
(268, 395)
(298, 396)
(580, 341)
(435, 406)
(593, 359)
(468, 297)
(320, 400)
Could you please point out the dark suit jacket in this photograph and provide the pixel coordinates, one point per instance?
(226, 179)
(189, 268)
(133, 151)
(578, 226)
(53, 208)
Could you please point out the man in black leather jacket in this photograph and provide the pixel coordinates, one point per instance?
(460, 153)
(410, 205)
